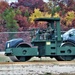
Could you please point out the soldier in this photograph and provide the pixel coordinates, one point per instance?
(48, 33)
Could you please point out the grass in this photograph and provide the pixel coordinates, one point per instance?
(4, 58)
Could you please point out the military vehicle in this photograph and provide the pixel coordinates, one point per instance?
(45, 43)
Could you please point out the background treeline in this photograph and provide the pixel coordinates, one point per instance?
(20, 16)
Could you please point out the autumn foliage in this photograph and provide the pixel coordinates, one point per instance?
(22, 22)
(25, 11)
(3, 6)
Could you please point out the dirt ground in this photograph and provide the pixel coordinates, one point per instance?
(36, 66)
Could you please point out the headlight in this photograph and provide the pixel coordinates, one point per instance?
(8, 45)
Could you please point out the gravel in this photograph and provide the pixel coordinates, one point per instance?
(35, 69)
(35, 66)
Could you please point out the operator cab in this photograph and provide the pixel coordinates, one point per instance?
(52, 30)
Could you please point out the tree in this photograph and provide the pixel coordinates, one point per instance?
(2, 24)
(11, 23)
(3, 6)
(32, 4)
(22, 22)
(71, 5)
(37, 14)
(69, 17)
(53, 7)
(23, 10)
(9, 17)
(68, 6)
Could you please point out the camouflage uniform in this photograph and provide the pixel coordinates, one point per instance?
(48, 33)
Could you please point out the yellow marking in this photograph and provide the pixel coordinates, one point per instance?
(48, 43)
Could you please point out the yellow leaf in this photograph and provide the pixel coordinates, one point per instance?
(56, 15)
